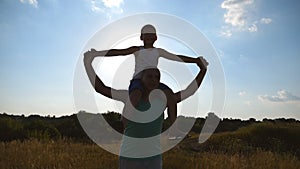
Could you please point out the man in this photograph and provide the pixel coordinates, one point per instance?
(133, 155)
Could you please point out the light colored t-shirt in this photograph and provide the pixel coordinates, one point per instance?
(148, 58)
(145, 58)
(142, 140)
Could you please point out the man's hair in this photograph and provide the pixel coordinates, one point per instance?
(148, 29)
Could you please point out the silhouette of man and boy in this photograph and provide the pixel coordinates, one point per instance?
(146, 78)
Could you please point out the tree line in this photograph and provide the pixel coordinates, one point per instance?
(20, 127)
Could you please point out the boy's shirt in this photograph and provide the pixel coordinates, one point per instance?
(145, 58)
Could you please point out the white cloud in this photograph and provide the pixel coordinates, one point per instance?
(95, 7)
(253, 28)
(225, 32)
(239, 17)
(236, 11)
(31, 2)
(108, 7)
(282, 96)
(112, 3)
(265, 20)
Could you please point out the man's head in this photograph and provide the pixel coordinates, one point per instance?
(150, 78)
(148, 34)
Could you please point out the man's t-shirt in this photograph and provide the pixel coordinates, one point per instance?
(140, 140)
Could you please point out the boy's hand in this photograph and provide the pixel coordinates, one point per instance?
(89, 56)
(93, 50)
(202, 63)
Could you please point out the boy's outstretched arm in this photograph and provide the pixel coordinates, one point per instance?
(179, 58)
(115, 52)
(195, 84)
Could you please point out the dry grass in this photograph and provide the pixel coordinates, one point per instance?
(55, 155)
(33, 154)
(210, 160)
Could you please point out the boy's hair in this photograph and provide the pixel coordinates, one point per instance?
(151, 68)
(148, 29)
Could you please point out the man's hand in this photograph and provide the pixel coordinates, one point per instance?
(202, 63)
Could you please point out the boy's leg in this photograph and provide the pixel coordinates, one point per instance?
(134, 97)
(135, 94)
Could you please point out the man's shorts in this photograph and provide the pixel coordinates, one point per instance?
(152, 163)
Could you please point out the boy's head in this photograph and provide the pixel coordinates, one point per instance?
(148, 34)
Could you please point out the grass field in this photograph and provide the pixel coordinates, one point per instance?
(259, 146)
(33, 154)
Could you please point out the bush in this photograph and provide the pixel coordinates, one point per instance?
(42, 131)
(275, 137)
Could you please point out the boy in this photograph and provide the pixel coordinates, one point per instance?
(147, 56)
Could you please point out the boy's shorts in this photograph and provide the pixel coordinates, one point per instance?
(137, 84)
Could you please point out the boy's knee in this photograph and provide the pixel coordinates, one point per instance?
(135, 92)
(135, 96)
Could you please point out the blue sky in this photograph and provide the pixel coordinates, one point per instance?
(257, 42)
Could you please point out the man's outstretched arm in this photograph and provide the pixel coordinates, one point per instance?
(195, 84)
(97, 83)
